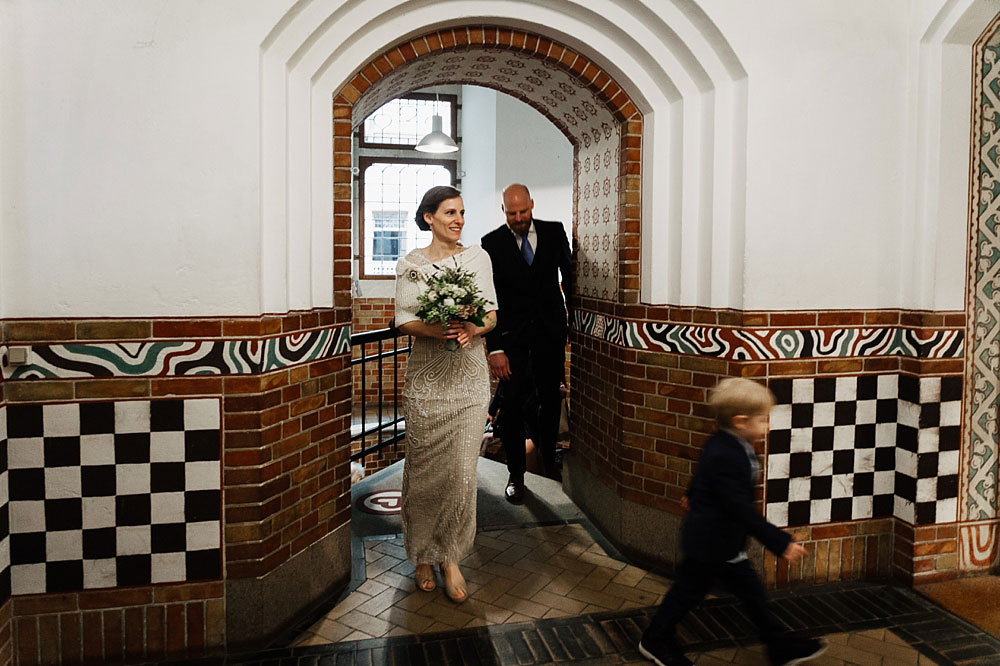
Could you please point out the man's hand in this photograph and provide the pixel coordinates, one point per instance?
(793, 552)
(499, 365)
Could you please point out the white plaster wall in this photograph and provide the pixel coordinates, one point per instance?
(507, 141)
(533, 152)
(826, 90)
(130, 156)
(132, 160)
(479, 148)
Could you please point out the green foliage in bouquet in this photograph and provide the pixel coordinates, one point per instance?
(451, 294)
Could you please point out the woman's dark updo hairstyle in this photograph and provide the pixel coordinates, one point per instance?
(432, 199)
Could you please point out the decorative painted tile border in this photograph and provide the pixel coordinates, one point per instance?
(179, 358)
(769, 344)
(108, 494)
(982, 307)
(870, 446)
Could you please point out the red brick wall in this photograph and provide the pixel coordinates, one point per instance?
(639, 419)
(136, 625)
(286, 482)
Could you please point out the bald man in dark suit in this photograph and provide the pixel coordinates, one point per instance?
(527, 348)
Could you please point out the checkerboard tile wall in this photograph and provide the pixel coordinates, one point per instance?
(108, 494)
(850, 448)
(4, 512)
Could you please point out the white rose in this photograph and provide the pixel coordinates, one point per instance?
(459, 292)
(432, 295)
(449, 302)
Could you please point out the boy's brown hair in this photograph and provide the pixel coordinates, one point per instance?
(736, 396)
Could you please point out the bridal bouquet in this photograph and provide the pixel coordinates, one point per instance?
(452, 295)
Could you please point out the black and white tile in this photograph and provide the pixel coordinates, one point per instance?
(4, 512)
(870, 446)
(108, 494)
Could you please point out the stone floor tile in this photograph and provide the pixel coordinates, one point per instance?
(647, 584)
(371, 588)
(903, 653)
(398, 631)
(489, 612)
(412, 622)
(559, 602)
(640, 597)
(519, 537)
(564, 582)
(536, 567)
(597, 578)
(517, 618)
(629, 576)
(489, 540)
(513, 554)
(392, 549)
(439, 627)
(445, 610)
(351, 602)
(497, 569)
(309, 638)
(555, 612)
(601, 561)
(416, 600)
(594, 597)
(331, 630)
(522, 606)
(382, 601)
(853, 655)
(400, 582)
(358, 636)
(493, 589)
(368, 624)
(529, 585)
(373, 567)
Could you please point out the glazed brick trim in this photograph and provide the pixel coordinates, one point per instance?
(178, 358)
(751, 343)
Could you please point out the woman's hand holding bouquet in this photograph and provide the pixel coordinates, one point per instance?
(452, 300)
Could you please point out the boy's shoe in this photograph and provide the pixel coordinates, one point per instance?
(663, 653)
(793, 650)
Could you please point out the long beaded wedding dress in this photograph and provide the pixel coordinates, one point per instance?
(445, 399)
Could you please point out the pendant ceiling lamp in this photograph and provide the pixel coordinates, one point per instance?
(436, 141)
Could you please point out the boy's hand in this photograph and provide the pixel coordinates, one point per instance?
(793, 552)
(685, 505)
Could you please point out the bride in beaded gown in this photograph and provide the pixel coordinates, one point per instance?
(445, 398)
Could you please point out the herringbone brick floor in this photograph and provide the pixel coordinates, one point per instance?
(513, 575)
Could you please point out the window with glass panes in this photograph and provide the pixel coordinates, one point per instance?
(391, 189)
(390, 186)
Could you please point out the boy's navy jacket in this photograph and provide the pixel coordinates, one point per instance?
(722, 512)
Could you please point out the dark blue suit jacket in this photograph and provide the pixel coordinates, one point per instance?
(722, 512)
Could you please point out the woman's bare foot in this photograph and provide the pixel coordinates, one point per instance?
(424, 575)
(454, 582)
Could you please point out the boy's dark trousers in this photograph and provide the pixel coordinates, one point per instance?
(694, 579)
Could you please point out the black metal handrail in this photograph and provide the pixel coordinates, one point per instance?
(379, 338)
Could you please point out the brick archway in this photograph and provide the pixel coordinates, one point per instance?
(609, 248)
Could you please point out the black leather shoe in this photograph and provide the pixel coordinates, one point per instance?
(514, 492)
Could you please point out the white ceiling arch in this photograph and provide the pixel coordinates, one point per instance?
(672, 61)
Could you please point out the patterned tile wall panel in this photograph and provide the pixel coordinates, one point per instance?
(760, 344)
(109, 494)
(871, 446)
(4, 511)
(179, 358)
(572, 106)
(984, 305)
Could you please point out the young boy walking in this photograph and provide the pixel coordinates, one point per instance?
(720, 516)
